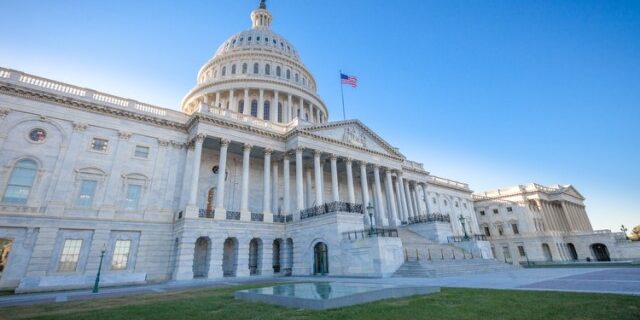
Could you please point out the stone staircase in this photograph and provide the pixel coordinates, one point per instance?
(425, 258)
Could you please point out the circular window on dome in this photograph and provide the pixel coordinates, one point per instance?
(37, 135)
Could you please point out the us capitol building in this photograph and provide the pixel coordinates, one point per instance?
(250, 178)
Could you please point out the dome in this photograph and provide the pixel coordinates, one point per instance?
(257, 73)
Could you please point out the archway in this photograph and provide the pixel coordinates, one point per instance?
(201, 257)
(277, 262)
(230, 257)
(289, 253)
(572, 251)
(320, 258)
(255, 256)
(600, 252)
(546, 251)
(5, 249)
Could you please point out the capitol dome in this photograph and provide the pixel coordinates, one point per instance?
(257, 73)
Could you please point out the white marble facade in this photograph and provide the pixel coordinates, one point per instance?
(220, 188)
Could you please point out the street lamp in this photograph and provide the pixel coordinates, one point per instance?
(462, 220)
(624, 230)
(97, 283)
(370, 212)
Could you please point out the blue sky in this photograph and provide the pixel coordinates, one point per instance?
(492, 93)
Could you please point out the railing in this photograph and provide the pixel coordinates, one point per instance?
(429, 218)
(246, 119)
(443, 254)
(331, 207)
(278, 218)
(473, 237)
(203, 213)
(257, 216)
(233, 215)
(368, 233)
(447, 182)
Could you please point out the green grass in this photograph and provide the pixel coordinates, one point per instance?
(449, 304)
(6, 293)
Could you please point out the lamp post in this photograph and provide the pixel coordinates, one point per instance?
(466, 236)
(624, 230)
(97, 283)
(370, 212)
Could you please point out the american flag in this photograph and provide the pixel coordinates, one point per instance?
(350, 80)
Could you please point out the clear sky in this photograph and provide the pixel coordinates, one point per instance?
(492, 93)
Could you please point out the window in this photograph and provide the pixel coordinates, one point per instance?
(500, 230)
(249, 39)
(457, 204)
(86, 194)
(267, 69)
(98, 144)
(279, 112)
(495, 211)
(244, 68)
(514, 227)
(37, 135)
(224, 71)
(254, 108)
(233, 69)
(509, 209)
(482, 212)
(241, 106)
(20, 182)
(278, 71)
(133, 196)
(445, 202)
(266, 114)
(141, 152)
(70, 255)
(288, 74)
(257, 38)
(434, 200)
(256, 68)
(464, 204)
(120, 255)
(297, 79)
(487, 232)
(521, 251)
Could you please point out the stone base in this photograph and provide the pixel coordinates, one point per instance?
(372, 256)
(53, 283)
(437, 231)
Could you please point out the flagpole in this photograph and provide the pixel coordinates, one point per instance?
(344, 117)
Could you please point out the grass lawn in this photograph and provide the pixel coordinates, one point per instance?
(449, 304)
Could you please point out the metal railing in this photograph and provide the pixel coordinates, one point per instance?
(204, 213)
(443, 254)
(368, 233)
(233, 215)
(257, 216)
(472, 237)
(429, 218)
(331, 207)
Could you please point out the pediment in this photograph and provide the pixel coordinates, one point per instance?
(570, 190)
(354, 133)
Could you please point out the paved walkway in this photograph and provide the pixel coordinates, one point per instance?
(600, 280)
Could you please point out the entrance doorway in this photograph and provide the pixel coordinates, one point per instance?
(546, 251)
(320, 258)
(572, 251)
(600, 252)
(255, 256)
(201, 257)
(230, 257)
(276, 258)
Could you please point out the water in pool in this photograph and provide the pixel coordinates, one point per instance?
(319, 290)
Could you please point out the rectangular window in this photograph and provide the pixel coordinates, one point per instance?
(87, 191)
(482, 212)
(500, 230)
(142, 152)
(521, 251)
(486, 232)
(515, 229)
(98, 144)
(70, 255)
(121, 255)
(509, 209)
(495, 211)
(133, 196)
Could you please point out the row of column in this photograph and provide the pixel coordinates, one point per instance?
(403, 198)
(289, 109)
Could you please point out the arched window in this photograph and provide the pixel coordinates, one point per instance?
(224, 71)
(267, 108)
(215, 73)
(288, 74)
(267, 69)
(254, 108)
(244, 68)
(241, 106)
(256, 68)
(278, 71)
(297, 77)
(233, 69)
(279, 112)
(20, 182)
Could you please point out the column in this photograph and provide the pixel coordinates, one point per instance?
(286, 206)
(247, 103)
(261, 105)
(401, 204)
(232, 101)
(381, 218)
(391, 200)
(407, 197)
(423, 188)
(365, 190)
(334, 178)
(274, 108)
(302, 109)
(289, 108)
(350, 189)
(299, 190)
(221, 212)
(403, 196)
(318, 177)
(266, 200)
(312, 117)
(274, 188)
(309, 184)
(415, 200)
(245, 215)
(217, 99)
(195, 175)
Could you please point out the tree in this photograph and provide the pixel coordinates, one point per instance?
(635, 233)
